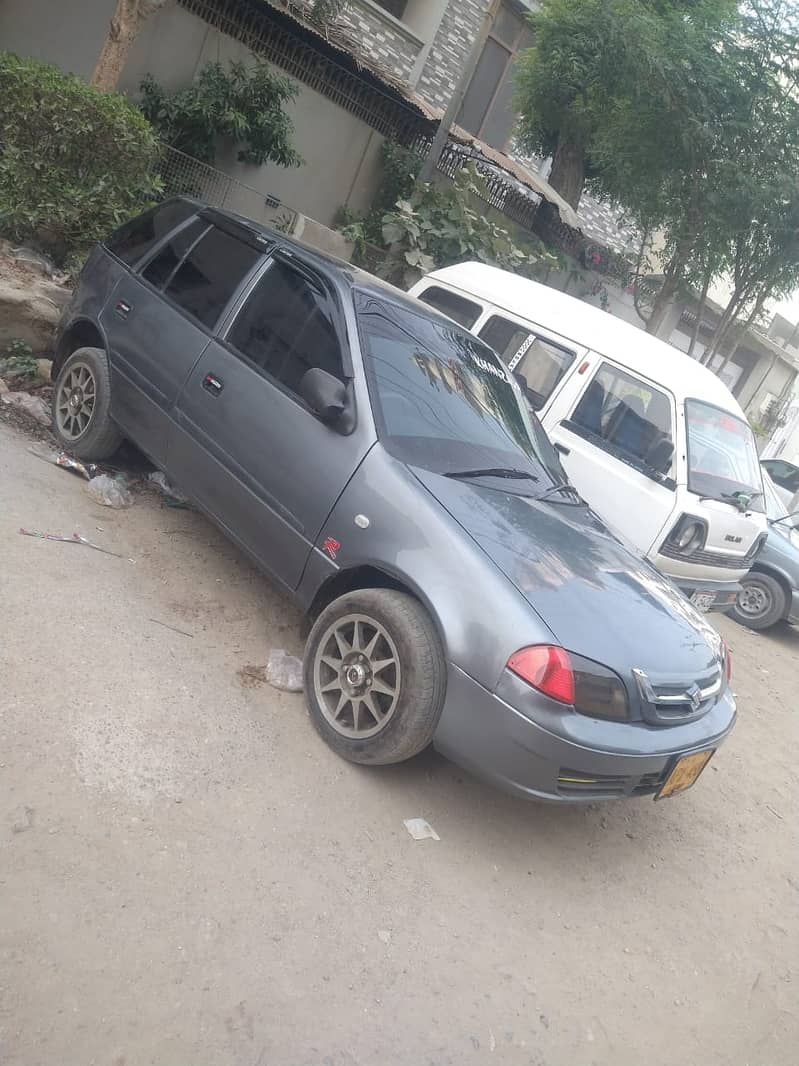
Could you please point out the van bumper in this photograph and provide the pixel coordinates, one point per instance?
(723, 590)
(724, 593)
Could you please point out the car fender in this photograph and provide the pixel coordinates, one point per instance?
(388, 522)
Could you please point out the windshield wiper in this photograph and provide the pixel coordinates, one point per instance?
(740, 499)
(553, 490)
(493, 471)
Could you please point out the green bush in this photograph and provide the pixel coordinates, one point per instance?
(243, 104)
(445, 224)
(74, 162)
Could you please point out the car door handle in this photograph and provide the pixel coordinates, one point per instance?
(213, 384)
(122, 308)
(562, 448)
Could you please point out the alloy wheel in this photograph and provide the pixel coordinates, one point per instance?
(75, 401)
(357, 676)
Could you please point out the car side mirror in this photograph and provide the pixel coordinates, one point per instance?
(324, 394)
(660, 455)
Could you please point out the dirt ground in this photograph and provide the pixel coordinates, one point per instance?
(189, 877)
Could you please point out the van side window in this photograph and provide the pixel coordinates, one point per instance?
(628, 416)
(133, 241)
(285, 328)
(210, 274)
(462, 311)
(538, 365)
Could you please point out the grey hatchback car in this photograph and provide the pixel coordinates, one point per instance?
(380, 464)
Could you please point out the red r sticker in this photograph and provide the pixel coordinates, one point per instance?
(331, 546)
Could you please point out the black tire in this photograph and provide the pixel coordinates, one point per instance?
(99, 438)
(400, 626)
(761, 603)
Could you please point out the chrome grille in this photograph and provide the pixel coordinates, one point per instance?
(669, 702)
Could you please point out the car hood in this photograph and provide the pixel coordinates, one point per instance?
(598, 598)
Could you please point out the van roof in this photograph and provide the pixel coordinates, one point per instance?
(592, 328)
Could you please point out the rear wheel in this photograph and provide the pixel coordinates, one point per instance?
(761, 602)
(82, 406)
(375, 676)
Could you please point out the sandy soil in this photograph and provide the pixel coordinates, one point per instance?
(189, 877)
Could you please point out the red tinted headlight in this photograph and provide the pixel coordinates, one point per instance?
(546, 668)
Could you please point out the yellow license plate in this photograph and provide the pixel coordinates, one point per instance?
(685, 772)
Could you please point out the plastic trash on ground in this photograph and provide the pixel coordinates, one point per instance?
(110, 492)
(420, 829)
(31, 405)
(172, 497)
(85, 470)
(284, 671)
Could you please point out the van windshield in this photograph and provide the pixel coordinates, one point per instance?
(722, 457)
(443, 400)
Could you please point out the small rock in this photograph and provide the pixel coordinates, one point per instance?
(3, 387)
(44, 368)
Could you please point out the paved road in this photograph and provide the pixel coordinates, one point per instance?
(190, 878)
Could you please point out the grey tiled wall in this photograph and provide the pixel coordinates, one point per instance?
(459, 27)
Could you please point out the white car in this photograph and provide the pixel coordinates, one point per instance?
(655, 442)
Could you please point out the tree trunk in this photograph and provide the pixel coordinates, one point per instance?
(663, 302)
(126, 22)
(568, 171)
(699, 312)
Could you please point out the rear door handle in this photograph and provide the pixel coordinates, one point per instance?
(562, 448)
(122, 308)
(213, 384)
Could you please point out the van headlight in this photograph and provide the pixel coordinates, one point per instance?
(689, 535)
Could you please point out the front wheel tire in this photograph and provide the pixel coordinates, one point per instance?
(761, 602)
(375, 676)
(82, 406)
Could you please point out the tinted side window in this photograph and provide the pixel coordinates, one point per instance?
(628, 414)
(285, 328)
(132, 241)
(540, 364)
(210, 275)
(455, 307)
(159, 270)
(783, 474)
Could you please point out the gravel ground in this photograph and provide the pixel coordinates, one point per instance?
(188, 876)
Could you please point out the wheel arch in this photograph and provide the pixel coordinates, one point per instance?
(367, 576)
(82, 333)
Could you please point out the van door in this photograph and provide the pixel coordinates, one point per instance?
(616, 443)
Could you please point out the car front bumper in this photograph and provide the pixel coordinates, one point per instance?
(552, 754)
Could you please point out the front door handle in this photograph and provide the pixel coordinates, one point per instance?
(213, 384)
(562, 448)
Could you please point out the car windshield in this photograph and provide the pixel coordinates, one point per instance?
(722, 457)
(444, 402)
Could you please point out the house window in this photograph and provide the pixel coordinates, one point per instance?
(487, 110)
(394, 7)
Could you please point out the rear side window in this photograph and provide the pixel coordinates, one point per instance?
(285, 328)
(537, 364)
(160, 268)
(628, 416)
(455, 307)
(210, 274)
(133, 241)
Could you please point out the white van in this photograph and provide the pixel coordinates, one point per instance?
(653, 440)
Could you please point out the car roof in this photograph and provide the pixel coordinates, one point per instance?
(352, 275)
(590, 327)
